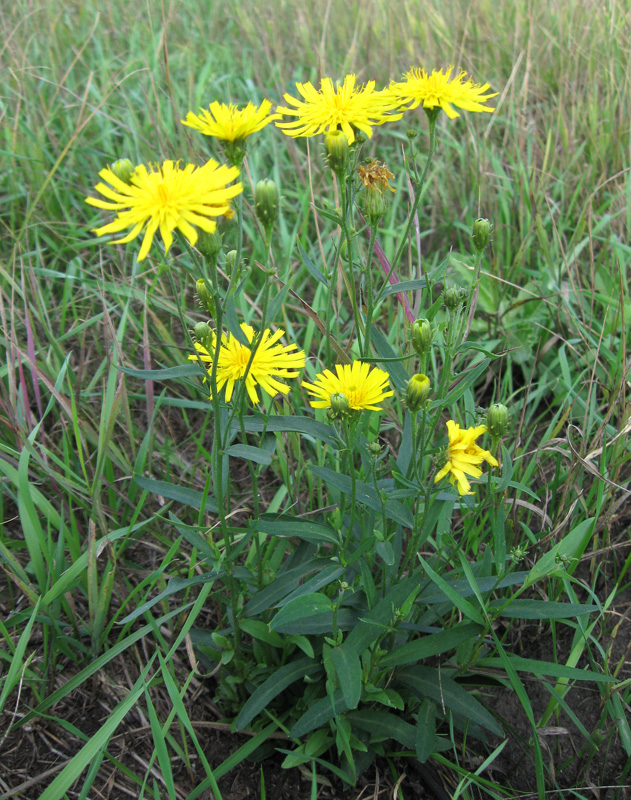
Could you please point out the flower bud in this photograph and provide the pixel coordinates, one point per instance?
(123, 169)
(417, 392)
(411, 133)
(374, 448)
(374, 204)
(209, 245)
(205, 297)
(339, 404)
(452, 298)
(204, 335)
(336, 146)
(497, 420)
(266, 202)
(231, 262)
(422, 336)
(481, 234)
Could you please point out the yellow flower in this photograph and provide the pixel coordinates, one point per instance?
(166, 197)
(271, 360)
(362, 387)
(464, 456)
(440, 90)
(230, 123)
(348, 107)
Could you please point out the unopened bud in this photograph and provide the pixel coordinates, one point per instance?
(417, 392)
(205, 297)
(123, 169)
(204, 335)
(266, 202)
(497, 420)
(422, 336)
(374, 205)
(374, 448)
(231, 262)
(336, 147)
(453, 298)
(339, 404)
(481, 234)
(209, 245)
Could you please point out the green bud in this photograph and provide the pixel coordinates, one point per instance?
(497, 420)
(417, 392)
(123, 169)
(336, 147)
(231, 262)
(266, 202)
(204, 335)
(374, 448)
(205, 297)
(422, 336)
(209, 245)
(411, 134)
(481, 234)
(374, 204)
(339, 404)
(452, 298)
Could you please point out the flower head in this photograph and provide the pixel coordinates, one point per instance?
(362, 387)
(348, 107)
(166, 197)
(229, 122)
(271, 360)
(375, 176)
(464, 456)
(440, 90)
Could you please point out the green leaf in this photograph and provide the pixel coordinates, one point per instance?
(280, 424)
(231, 321)
(249, 453)
(280, 587)
(273, 686)
(365, 493)
(427, 682)
(371, 625)
(467, 380)
(465, 606)
(536, 667)
(404, 286)
(396, 370)
(168, 373)
(385, 552)
(174, 585)
(189, 497)
(321, 624)
(285, 525)
(319, 581)
(382, 726)
(277, 302)
(307, 605)
(320, 712)
(315, 272)
(572, 546)
(431, 645)
(349, 671)
(541, 609)
(425, 731)
(259, 630)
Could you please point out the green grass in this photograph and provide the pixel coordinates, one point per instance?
(82, 547)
